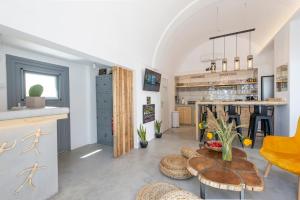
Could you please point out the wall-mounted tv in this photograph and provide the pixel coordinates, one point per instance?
(151, 80)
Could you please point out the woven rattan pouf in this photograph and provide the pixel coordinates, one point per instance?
(155, 191)
(188, 152)
(179, 195)
(174, 166)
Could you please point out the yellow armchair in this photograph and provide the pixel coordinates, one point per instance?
(283, 152)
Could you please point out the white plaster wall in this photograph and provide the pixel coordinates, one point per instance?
(265, 63)
(82, 98)
(118, 32)
(281, 57)
(140, 100)
(294, 72)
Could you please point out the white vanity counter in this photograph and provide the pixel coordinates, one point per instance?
(29, 113)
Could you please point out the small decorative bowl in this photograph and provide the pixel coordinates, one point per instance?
(214, 145)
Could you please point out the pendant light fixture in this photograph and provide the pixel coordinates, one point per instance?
(213, 64)
(250, 56)
(224, 60)
(236, 59)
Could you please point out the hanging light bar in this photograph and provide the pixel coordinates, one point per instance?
(237, 64)
(250, 56)
(236, 59)
(213, 64)
(224, 60)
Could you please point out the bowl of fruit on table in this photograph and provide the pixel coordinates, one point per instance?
(214, 145)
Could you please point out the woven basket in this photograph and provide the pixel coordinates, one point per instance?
(155, 191)
(175, 166)
(179, 195)
(188, 152)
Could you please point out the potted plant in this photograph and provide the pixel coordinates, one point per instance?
(35, 100)
(157, 126)
(142, 134)
(225, 132)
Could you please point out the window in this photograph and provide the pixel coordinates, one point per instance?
(49, 82)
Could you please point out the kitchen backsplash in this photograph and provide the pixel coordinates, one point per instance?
(218, 93)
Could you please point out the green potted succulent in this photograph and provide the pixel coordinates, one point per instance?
(157, 126)
(34, 100)
(143, 136)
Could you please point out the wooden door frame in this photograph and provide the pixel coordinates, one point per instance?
(122, 110)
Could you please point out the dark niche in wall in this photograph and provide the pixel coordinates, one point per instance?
(148, 113)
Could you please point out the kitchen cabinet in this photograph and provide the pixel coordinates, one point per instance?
(186, 115)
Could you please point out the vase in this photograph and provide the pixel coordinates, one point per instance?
(227, 152)
(158, 135)
(143, 144)
(35, 102)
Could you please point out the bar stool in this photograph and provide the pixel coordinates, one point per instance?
(234, 114)
(213, 109)
(265, 116)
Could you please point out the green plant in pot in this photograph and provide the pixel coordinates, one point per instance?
(226, 133)
(157, 126)
(143, 136)
(34, 100)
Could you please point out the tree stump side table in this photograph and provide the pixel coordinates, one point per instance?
(237, 175)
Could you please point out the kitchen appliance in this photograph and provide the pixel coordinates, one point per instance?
(267, 87)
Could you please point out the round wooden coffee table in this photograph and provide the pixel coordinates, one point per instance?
(237, 175)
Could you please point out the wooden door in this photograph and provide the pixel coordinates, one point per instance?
(122, 111)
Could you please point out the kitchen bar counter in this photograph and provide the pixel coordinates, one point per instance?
(247, 103)
(236, 103)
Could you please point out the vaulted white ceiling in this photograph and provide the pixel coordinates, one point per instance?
(142, 32)
(220, 17)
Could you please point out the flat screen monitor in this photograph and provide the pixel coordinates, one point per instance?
(152, 81)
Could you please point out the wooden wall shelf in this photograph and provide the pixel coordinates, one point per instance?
(189, 85)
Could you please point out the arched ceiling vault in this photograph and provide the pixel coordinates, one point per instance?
(201, 19)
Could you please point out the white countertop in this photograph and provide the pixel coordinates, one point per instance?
(28, 113)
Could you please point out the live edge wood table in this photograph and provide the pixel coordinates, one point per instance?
(237, 175)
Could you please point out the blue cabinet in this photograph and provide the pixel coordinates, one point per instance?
(104, 100)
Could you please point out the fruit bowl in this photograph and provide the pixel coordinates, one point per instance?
(214, 145)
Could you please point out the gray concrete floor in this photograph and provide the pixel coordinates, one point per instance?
(102, 177)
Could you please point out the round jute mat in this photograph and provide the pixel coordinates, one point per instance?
(188, 152)
(179, 195)
(175, 166)
(155, 191)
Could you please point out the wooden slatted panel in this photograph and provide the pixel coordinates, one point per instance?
(122, 111)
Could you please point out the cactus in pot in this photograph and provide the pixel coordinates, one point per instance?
(36, 91)
(142, 134)
(157, 126)
(34, 100)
